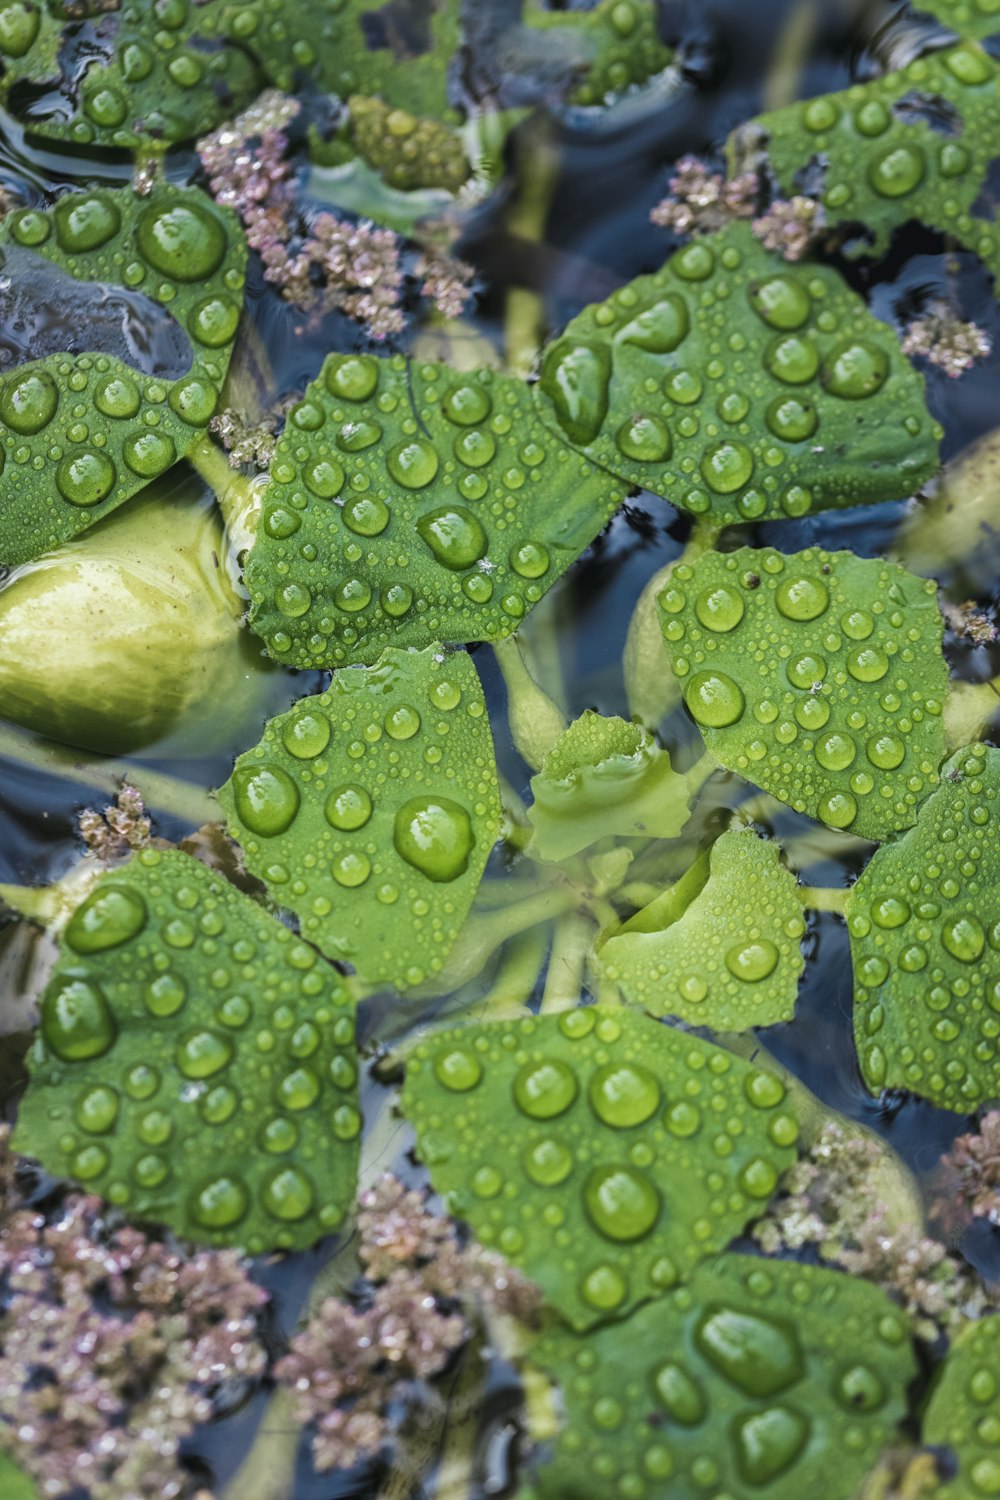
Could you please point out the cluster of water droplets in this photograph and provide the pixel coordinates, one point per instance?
(742, 1382)
(409, 505)
(195, 1062)
(964, 1411)
(87, 429)
(375, 804)
(819, 676)
(924, 921)
(602, 1152)
(730, 383)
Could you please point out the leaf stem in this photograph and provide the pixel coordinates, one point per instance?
(191, 803)
(526, 220)
(564, 979)
(238, 497)
(824, 898)
(517, 975)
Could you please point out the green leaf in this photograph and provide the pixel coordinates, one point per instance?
(603, 777)
(758, 1376)
(924, 921)
(975, 18)
(14, 1483)
(741, 388)
(408, 152)
(914, 144)
(602, 1152)
(731, 959)
(617, 44)
(81, 433)
(404, 57)
(962, 1413)
(818, 676)
(195, 1063)
(410, 504)
(370, 810)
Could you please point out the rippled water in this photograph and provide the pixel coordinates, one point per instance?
(739, 58)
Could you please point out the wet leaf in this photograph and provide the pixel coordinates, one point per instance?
(603, 1153)
(818, 676)
(962, 1413)
(370, 810)
(730, 956)
(81, 433)
(399, 49)
(617, 45)
(924, 921)
(195, 1063)
(758, 1375)
(410, 504)
(604, 776)
(407, 151)
(914, 144)
(975, 18)
(740, 387)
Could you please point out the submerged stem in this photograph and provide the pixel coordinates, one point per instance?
(191, 803)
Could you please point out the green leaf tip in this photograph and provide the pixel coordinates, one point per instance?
(604, 776)
(411, 504)
(732, 958)
(759, 1376)
(741, 388)
(81, 433)
(370, 811)
(914, 144)
(924, 922)
(195, 1063)
(817, 675)
(603, 1153)
(962, 1412)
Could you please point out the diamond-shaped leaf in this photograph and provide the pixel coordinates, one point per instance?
(924, 921)
(604, 776)
(758, 1377)
(913, 144)
(81, 433)
(410, 504)
(602, 1152)
(731, 959)
(818, 675)
(741, 387)
(962, 1414)
(195, 1062)
(370, 810)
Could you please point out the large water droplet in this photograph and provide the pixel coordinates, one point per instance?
(679, 1394)
(855, 370)
(719, 608)
(714, 699)
(548, 1163)
(185, 242)
(221, 1203)
(964, 937)
(288, 1194)
(545, 1090)
(348, 807)
(781, 301)
(434, 835)
(77, 1023)
(659, 328)
(457, 1070)
(621, 1202)
(109, 917)
(898, 171)
(768, 1442)
(727, 467)
(266, 798)
(203, 1053)
(454, 535)
(413, 464)
(576, 377)
(624, 1094)
(85, 478)
(752, 961)
(759, 1356)
(802, 598)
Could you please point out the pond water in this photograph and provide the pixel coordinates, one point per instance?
(607, 170)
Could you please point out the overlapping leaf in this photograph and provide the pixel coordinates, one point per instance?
(914, 144)
(726, 954)
(603, 1153)
(740, 387)
(619, 45)
(604, 776)
(924, 921)
(370, 810)
(80, 433)
(976, 18)
(195, 1062)
(410, 504)
(818, 675)
(758, 1377)
(963, 1412)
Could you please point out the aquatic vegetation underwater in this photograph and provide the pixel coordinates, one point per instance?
(500, 921)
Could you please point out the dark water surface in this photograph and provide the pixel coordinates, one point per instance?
(610, 175)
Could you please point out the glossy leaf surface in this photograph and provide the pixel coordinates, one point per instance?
(603, 1153)
(963, 1412)
(604, 776)
(924, 921)
(818, 676)
(370, 810)
(731, 959)
(741, 387)
(758, 1377)
(410, 504)
(618, 45)
(976, 18)
(914, 144)
(195, 1063)
(81, 433)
